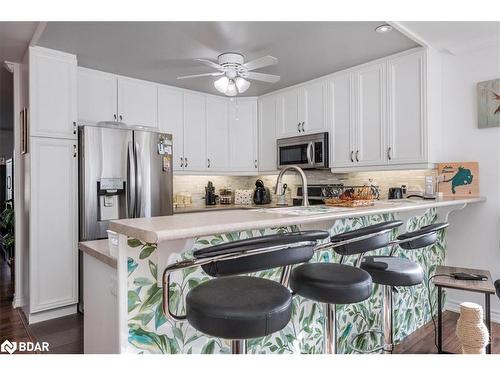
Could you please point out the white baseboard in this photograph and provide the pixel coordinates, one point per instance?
(17, 302)
(51, 314)
(454, 306)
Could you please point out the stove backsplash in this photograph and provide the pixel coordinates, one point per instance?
(413, 179)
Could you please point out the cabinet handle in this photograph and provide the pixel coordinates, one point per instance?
(185, 162)
(352, 156)
(255, 163)
(208, 162)
(182, 162)
(121, 117)
(74, 127)
(298, 127)
(389, 153)
(114, 116)
(74, 151)
(357, 156)
(303, 122)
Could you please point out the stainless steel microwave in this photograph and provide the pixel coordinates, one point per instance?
(306, 151)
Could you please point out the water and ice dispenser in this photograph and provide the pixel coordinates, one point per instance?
(111, 198)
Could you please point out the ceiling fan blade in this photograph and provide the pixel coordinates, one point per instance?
(214, 74)
(262, 77)
(260, 62)
(210, 63)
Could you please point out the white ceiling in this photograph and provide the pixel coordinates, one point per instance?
(162, 51)
(14, 39)
(455, 36)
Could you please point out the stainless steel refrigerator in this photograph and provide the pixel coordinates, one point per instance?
(124, 172)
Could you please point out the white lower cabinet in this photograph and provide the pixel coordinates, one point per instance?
(243, 135)
(53, 224)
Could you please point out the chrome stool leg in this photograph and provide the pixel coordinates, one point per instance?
(387, 318)
(238, 347)
(330, 329)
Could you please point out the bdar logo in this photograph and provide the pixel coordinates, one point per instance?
(8, 347)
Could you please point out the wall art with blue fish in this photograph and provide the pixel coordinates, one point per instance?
(459, 179)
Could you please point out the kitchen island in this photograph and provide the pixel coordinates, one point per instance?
(148, 245)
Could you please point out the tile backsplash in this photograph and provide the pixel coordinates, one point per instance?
(413, 179)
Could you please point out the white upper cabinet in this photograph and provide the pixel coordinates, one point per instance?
(53, 223)
(137, 102)
(96, 96)
(288, 114)
(370, 116)
(267, 133)
(217, 133)
(407, 122)
(243, 135)
(52, 93)
(342, 134)
(312, 108)
(195, 155)
(171, 120)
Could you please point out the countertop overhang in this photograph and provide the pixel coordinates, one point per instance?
(190, 225)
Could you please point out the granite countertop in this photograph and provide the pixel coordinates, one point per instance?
(195, 224)
(98, 249)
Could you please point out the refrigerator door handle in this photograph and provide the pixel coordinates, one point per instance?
(131, 173)
(138, 182)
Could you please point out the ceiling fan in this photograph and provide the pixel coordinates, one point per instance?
(235, 72)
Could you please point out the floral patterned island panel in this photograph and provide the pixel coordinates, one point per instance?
(150, 331)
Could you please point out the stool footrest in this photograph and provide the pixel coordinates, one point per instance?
(368, 331)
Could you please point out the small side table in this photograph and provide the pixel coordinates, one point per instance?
(486, 287)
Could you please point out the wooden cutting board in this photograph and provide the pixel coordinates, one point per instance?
(461, 179)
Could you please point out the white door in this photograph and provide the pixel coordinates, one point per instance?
(52, 93)
(288, 115)
(217, 134)
(312, 114)
(137, 102)
(243, 135)
(171, 120)
(267, 134)
(342, 131)
(371, 113)
(195, 155)
(97, 100)
(53, 223)
(407, 124)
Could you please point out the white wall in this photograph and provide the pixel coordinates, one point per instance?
(473, 236)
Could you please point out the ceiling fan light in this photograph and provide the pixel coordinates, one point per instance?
(242, 84)
(222, 84)
(231, 89)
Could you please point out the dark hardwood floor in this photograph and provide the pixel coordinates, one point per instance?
(65, 335)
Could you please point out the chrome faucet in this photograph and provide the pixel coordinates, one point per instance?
(305, 197)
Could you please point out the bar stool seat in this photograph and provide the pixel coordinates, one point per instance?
(239, 307)
(393, 271)
(331, 283)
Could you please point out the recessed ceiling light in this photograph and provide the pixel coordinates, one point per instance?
(383, 28)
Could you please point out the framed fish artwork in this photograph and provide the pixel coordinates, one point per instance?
(459, 179)
(488, 104)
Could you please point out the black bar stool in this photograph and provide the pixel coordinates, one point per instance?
(390, 272)
(238, 307)
(332, 283)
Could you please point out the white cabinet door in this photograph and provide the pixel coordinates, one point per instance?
(243, 135)
(407, 123)
(312, 114)
(217, 134)
(195, 155)
(267, 134)
(342, 132)
(288, 115)
(137, 102)
(97, 98)
(371, 112)
(53, 223)
(52, 93)
(171, 120)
